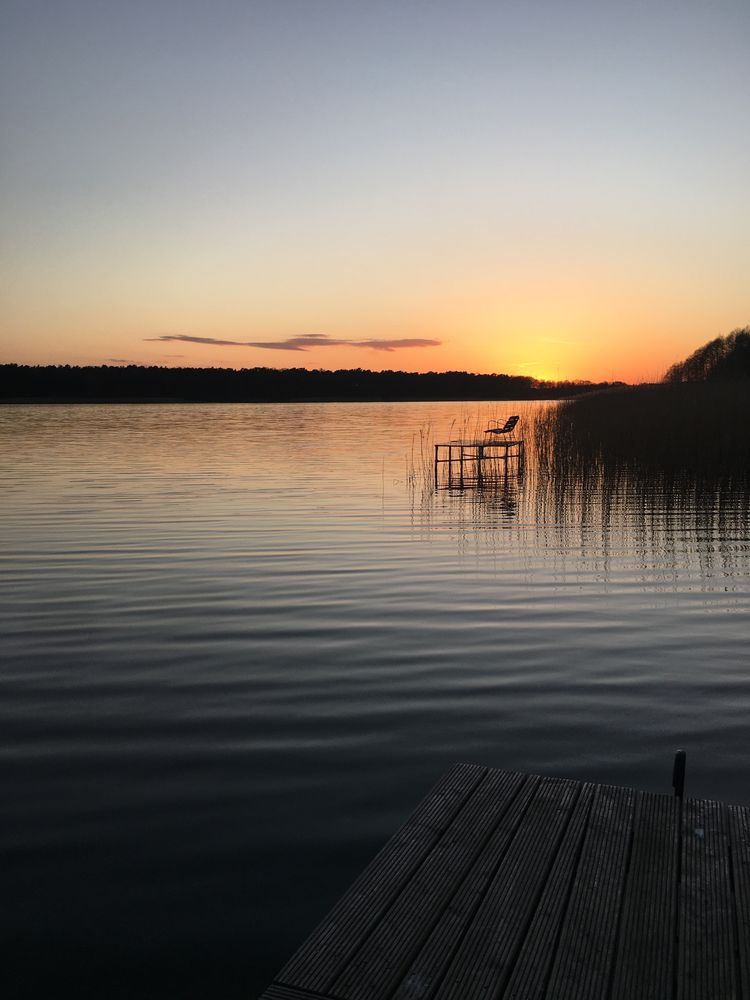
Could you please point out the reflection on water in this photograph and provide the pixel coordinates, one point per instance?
(241, 641)
(678, 527)
(675, 530)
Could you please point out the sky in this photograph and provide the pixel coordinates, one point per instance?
(553, 189)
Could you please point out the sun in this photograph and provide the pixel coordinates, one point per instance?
(540, 370)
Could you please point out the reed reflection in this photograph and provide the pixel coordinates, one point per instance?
(670, 531)
(671, 528)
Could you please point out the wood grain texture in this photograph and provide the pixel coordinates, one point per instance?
(277, 992)
(486, 955)
(739, 830)
(382, 961)
(589, 929)
(528, 980)
(645, 956)
(706, 966)
(505, 886)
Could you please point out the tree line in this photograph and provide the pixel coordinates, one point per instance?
(721, 358)
(249, 385)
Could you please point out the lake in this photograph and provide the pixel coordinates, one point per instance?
(240, 642)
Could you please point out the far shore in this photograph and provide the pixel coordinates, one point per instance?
(145, 400)
(31, 384)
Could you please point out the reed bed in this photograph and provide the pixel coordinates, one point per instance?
(694, 431)
(670, 454)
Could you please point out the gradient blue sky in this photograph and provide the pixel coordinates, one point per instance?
(559, 189)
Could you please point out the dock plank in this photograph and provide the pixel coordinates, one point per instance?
(739, 831)
(588, 938)
(324, 954)
(645, 958)
(706, 966)
(277, 992)
(428, 968)
(528, 980)
(381, 963)
(484, 960)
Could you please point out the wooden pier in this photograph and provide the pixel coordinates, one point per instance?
(469, 460)
(504, 885)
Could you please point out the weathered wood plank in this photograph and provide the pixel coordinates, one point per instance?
(380, 964)
(277, 992)
(528, 981)
(645, 960)
(588, 938)
(485, 957)
(739, 835)
(321, 958)
(427, 969)
(706, 966)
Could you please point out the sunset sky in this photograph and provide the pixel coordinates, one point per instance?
(544, 188)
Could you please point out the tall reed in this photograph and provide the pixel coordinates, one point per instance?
(693, 430)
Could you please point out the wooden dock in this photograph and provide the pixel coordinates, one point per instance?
(504, 885)
(475, 459)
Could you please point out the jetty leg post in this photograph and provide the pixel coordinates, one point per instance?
(436, 464)
(678, 774)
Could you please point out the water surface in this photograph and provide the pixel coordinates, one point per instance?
(240, 642)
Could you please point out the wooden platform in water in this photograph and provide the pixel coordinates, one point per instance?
(476, 456)
(506, 885)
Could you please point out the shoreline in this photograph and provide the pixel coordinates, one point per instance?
(168, 400)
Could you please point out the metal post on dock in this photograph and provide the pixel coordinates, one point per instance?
(678, 774)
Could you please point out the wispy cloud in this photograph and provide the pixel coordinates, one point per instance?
(302, 343)
(395, 345)
(119, 361)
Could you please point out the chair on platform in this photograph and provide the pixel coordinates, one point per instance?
(507, 427)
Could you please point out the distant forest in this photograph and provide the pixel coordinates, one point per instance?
(722, 358)
(62, 383)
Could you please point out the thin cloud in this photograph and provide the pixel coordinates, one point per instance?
(302, 343)
(119, 361)
(395, 345)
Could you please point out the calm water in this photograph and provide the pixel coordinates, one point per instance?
(240, 642)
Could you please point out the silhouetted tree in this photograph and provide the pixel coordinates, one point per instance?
(721, 358)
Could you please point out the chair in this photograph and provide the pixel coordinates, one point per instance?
(507, 427)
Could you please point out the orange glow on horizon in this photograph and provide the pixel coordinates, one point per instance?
(591, 228)
(480, 332)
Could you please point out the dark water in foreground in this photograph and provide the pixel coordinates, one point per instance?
(239, 645)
